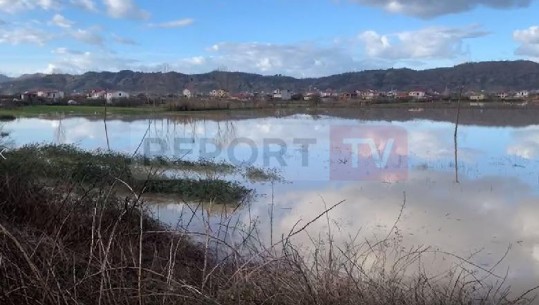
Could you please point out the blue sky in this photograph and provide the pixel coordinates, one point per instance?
(301, 38)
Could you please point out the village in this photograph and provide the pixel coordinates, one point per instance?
(122, 98)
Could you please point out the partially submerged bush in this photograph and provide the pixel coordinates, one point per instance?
(58, 163)
(64, 248)
(217, 191)
(61, 245)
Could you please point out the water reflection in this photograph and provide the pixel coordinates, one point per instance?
(494, 205)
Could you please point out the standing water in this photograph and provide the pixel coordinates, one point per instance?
(478, 202)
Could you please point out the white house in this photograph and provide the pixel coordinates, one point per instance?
(417, 94)
(51, 94)
(477, 97)
(219, 93)
(116, 95)
(284, 95)
(368, 95)
(502, 95)
(522, 94)
(97, 94)
(28, 96)
(187, 93)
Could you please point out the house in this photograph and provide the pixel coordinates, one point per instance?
(116, 95)
(472, 96)
(402, 96)
(50, 94)
(522, 94)
(242, 96)
(187, 93)
(97, 94)
(28, 96)
(392, 94)
(311, 96)
(502, 95)
(368, 95)
(418, 95)
(327, 93)
(219, 93)
(283, 95)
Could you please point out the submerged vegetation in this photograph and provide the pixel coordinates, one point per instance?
(256, 174)
(70, 235)
(7, 117)
(64, 244)
(53, 164)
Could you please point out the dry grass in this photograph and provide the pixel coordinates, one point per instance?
(67, 245)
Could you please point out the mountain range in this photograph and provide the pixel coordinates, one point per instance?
(4, 78)
(489, 76)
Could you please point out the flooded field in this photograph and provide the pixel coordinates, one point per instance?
(473, 200)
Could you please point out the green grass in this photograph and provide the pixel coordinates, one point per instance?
(78, 110)
(56, 164)
(83, 110)
(255, 174)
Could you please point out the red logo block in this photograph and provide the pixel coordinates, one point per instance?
(369, 153)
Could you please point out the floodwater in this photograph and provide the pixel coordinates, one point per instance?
(479, 209)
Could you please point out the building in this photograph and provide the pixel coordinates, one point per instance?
(392, 94)
(51, 94)
(116, 95)
(368, 95)
(502, 95)
(328, 93)
(477, 97)
(28, 96)
(187, 93)
(522, 94)
(97, 94)
(418, 95)
(219, 93)
(284, 95)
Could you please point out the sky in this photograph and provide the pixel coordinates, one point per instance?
(300, 38)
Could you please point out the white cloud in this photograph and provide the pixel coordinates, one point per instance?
(430, 8)
(89, 36)
(124, 9)
(529, 42)
(369, 50)
(525, 143)
(301, 60)
(85, 4)
(66, 51)
(24, 35)
(428, 43)
(61, 21)
(124, 40)
(77, 62)
(13, 6)
(529, 35)
(173, 24)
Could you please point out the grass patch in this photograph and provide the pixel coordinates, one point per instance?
(187, 165)
(63, 247)
(217, 191)
(77, 110)
(7, 117)
(255, 174)
(55, 163)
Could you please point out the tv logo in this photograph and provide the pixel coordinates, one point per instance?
(368, 153)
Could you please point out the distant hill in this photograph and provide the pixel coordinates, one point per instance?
(490, 76)
(4, 78)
